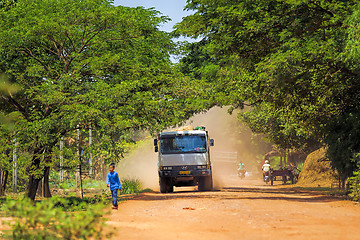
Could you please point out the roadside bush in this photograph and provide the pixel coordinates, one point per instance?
(73, 203)
(354, 184)
(130, 186)
(54, 219)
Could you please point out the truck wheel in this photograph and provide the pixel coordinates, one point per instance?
(163, 185)
(170, 187)
(205, 183)
(272, 181)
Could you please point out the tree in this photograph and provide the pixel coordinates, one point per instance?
(343, 144)
(264, 119)
(284, 58)
(88, 62)
(343, 130)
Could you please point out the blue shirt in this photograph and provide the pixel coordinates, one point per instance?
(113, 179)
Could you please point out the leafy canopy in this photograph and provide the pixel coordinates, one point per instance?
(86, 62)
(284, 56)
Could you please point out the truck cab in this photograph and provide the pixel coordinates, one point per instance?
(184, 159)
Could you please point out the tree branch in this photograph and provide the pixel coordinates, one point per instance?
(28, 52)
(17, 106)
(322, 9)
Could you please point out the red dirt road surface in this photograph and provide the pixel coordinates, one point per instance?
(243, 209)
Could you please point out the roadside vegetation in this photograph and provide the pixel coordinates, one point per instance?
(354, 182)
(55, 218)
(294, 64)
(65, 216)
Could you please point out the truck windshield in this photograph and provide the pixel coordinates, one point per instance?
(183, 144)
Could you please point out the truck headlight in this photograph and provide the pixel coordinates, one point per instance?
(201, 167)
(166, 168)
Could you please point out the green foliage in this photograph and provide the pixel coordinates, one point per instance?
(299, 168)
(354, 183)
(296, 63)
(6, 4)
(93, 64)
(2, 201)
(264, 118)
(344, 143)
(283, 53)
(91, 183)
(130, 186)
(72, 204)
(48, 220)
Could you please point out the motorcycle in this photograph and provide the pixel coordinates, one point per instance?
(266, 177)
(241, 173)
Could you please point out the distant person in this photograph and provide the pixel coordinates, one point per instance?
(241, 166)
(241, 170)
(266, 167)
(113, 181)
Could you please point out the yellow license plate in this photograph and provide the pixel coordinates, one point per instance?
(184, 172)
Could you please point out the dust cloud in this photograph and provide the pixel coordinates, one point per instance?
(233, 142)
(141, 164)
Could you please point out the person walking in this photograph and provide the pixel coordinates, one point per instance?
(113, 182)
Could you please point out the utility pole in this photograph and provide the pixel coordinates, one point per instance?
(61, 160)
(90, 159)
(14, 182)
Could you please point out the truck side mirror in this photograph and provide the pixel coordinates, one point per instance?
(211, 142)
(156, 148)
(155, 142)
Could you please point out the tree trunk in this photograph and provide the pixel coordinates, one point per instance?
(2, 173)
(1, 183)
(33, 186)
(39, 191)
(6, 175)
(46, 188)
(3, 180)
(34, 178)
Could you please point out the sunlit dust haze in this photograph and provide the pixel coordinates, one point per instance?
(233, 142)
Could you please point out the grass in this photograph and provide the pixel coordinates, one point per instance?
(130, 186)
(87, 183)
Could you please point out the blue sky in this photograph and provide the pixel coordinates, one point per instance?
(170, 8)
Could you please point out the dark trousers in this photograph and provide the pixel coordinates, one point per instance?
(114, 197)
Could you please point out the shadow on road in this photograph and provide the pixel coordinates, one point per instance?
(244, 193)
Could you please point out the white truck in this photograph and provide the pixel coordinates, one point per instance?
(184, 159)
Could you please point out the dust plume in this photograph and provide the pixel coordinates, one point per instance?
(141, 164)
(233, 142)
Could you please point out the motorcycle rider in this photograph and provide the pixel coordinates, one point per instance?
(266, 168)
(241, 169)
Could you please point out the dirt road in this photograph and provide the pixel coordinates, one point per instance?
(243, 209)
